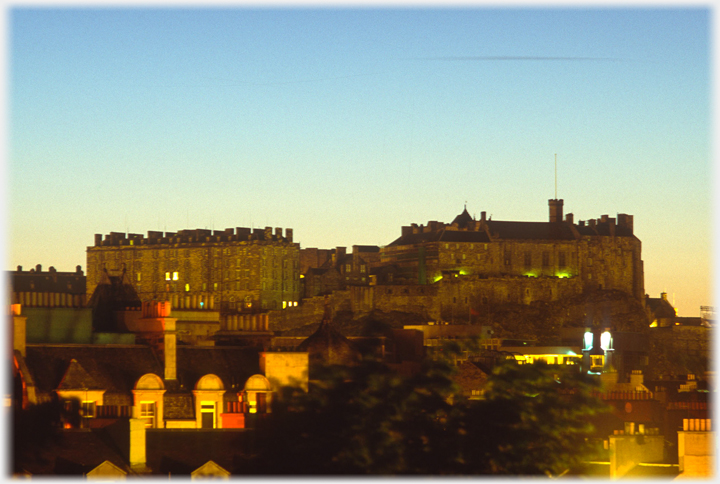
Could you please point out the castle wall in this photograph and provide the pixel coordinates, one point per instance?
(602, 262)
(227, 271)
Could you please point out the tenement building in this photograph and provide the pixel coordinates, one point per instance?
(238, 269)
(602, 253)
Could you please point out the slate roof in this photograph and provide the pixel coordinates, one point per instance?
(328, 346)
(660, 307)
(463, 219)
(367, 248)
(441, 236)
(115, 368)
(76, 452)
(531, 230)
(179, 406)
(115, 292)
(510, 230)
(76, 377)
(234, 365)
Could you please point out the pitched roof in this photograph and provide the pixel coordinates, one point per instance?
(181, 452)
(463, 219)
(442, 235)
(115, 292)
(327, 345)
(531, 230)
(660, 307)
(233, 364)
(366, 248)
(76, 452)
(115, 368)
(76, 377)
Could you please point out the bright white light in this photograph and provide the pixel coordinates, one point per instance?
(588, 338)
(605, 340)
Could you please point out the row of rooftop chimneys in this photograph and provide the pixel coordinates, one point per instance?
(51, 269)
(194, 235)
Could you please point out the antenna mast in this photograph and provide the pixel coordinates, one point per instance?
(555, 176)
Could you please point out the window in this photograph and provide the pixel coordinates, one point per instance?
(87, 409)
(147, 413)
(207, 415)
(546, 259)
(362, 268)
(138, 276)
(508, 258)
(561, 259)
(348, 268)
(214, 286)
(187, 287)
(528, 259)
(175, 276)
(167, 276)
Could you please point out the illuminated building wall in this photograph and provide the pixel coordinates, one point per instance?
(230, 270)
(602, 253)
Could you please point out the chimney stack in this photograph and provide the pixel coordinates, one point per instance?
(137, 443)
(19, 328)
(556, 210)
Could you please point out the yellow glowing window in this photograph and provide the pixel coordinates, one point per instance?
(187, 287)
(167, 276)
(175, 276)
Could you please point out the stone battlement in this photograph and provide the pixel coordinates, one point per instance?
(194, 236)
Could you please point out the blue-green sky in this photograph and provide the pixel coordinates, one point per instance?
(345, 124)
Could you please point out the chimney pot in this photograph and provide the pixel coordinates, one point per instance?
(38, 268)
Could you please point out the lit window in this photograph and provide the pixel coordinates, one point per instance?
(138, 276)
(187, 287)
(147, 413)
(175, 276)
(87, 409)
(215, 286)
(284, 304)
(167, 276)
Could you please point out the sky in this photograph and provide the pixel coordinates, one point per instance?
(345, 124)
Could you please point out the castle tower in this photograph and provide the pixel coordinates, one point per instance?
(556, 210)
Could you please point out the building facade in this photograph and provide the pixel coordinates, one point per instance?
(235, 270)
(603, 253)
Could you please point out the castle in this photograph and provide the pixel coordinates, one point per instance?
(438, 270)
(600, 254)
(231, 270)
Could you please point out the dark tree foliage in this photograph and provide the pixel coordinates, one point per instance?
(369, 420)
(33, 430)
